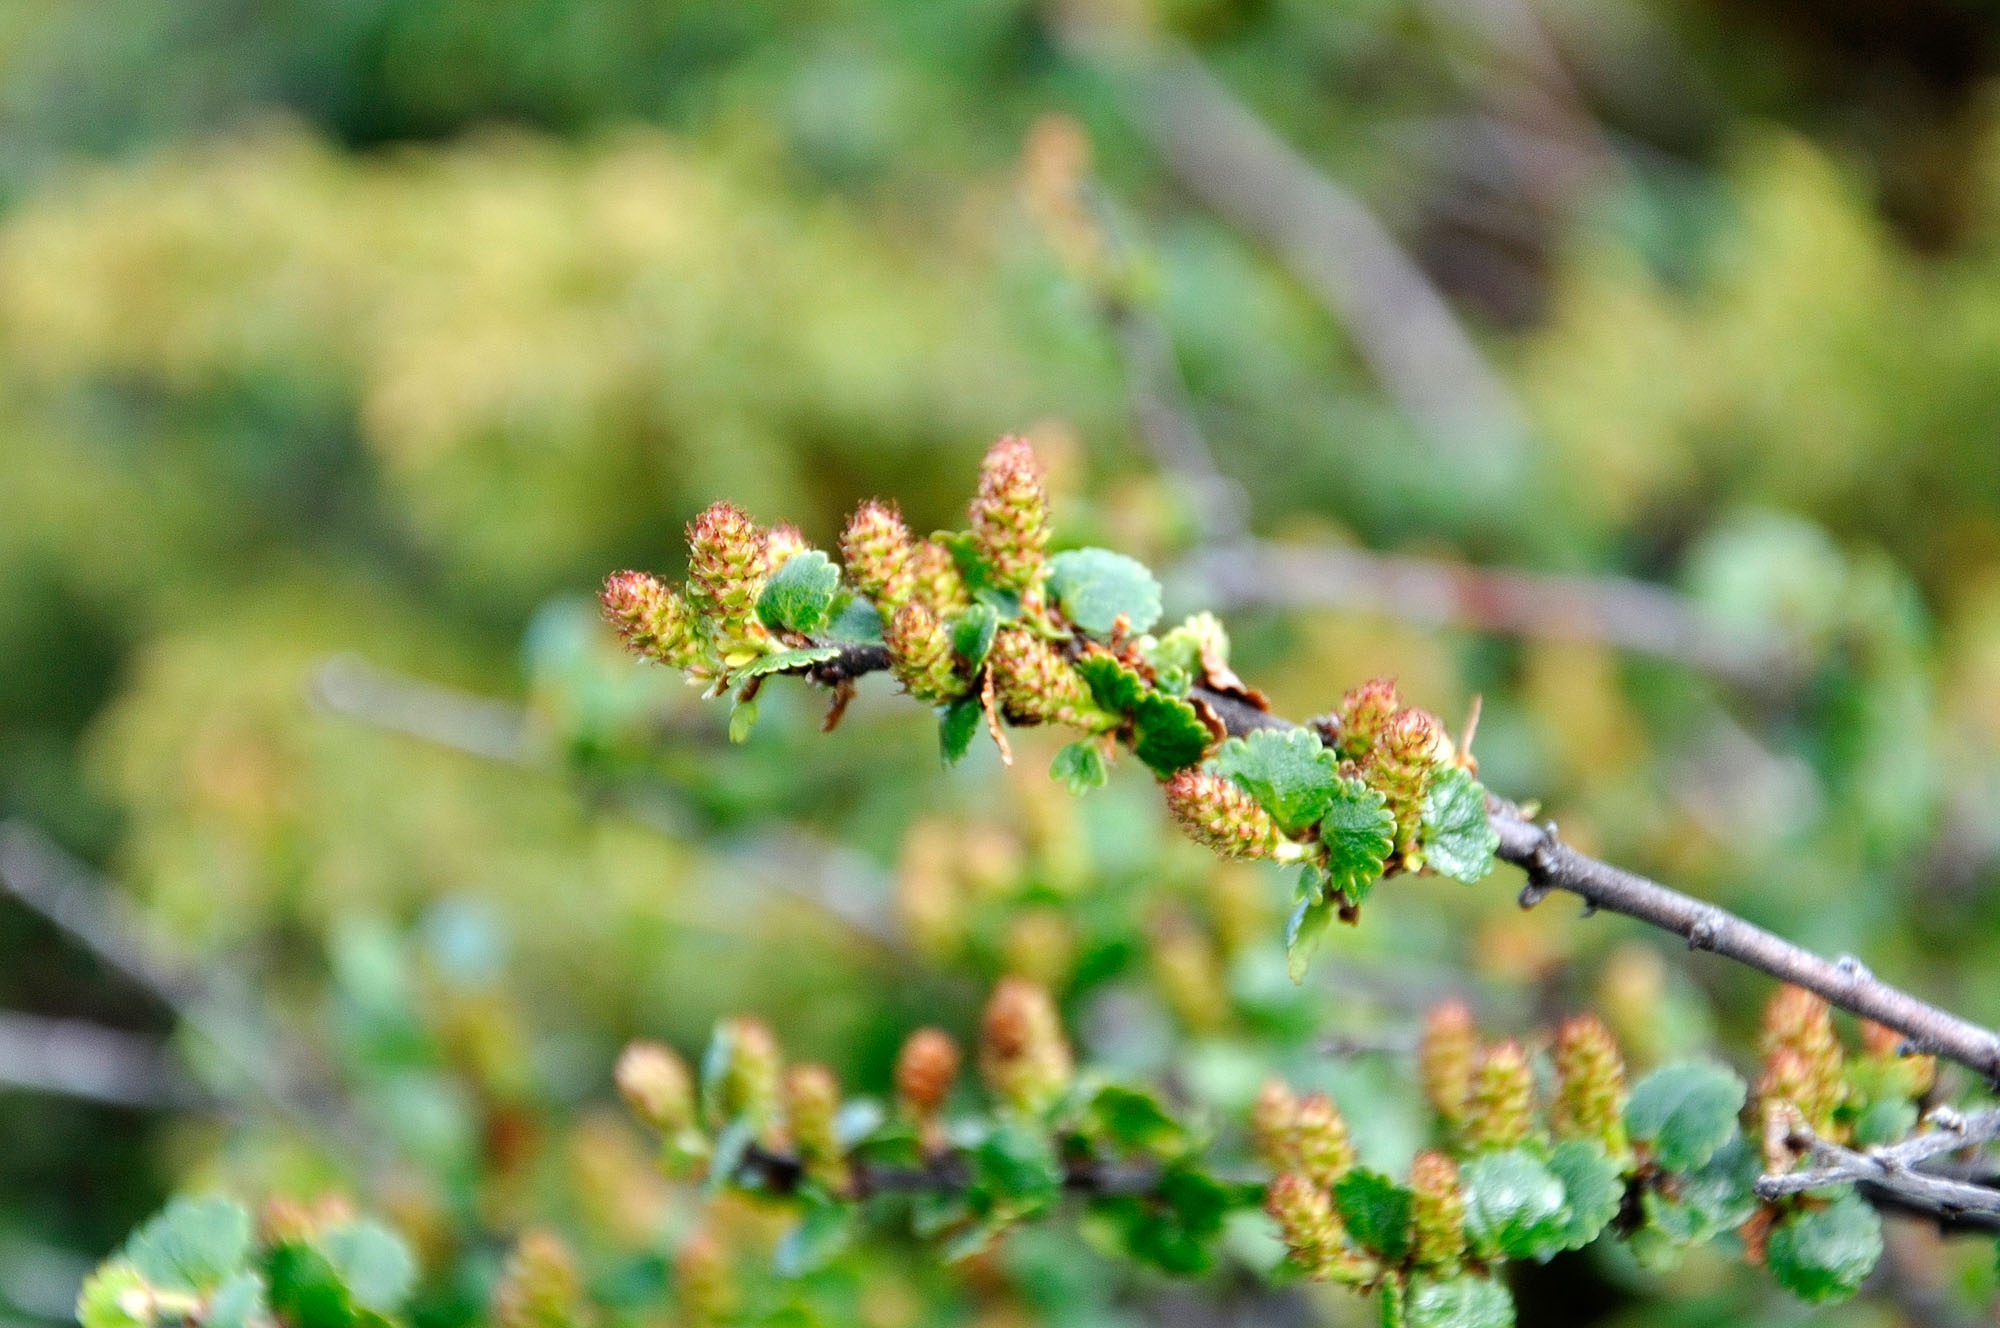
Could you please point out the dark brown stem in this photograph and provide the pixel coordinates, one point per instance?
(944, 1173)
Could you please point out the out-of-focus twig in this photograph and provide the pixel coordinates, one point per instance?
(37, 872)
(84, 1060)
(1411, 338)
(839, 883)
(1631, 615)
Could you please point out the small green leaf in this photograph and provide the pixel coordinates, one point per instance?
(1079, 767)
(1311, 916)
(957, 722)
(305, 1288)
(1821, 1254)
(1358, 831)
(1288, 771)
(1593, 1189)
(374, 1264)
(1094, 587)
(1016, 1166)
(1458, 1302)
(1134, 1121)
(854, 620)
(1113, 686)
(1716, 1197)
(1684, 1112)
(108, 1295)
(193, 1245)
(813, 1241)
(799, 594)
(972, 634)
(237, 1303)
(1884, 1122)
(1458, 839)
(742, 718)
(782, 661)
(1376, 1210)
(1513, 1204)
(1166, 734)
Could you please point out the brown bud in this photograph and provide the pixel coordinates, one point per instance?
(1023, 1055)
(925, 1069)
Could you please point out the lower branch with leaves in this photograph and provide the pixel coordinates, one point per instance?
(994, 631)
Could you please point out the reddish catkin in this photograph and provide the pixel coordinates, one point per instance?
(1446, 1053)
(879, 555)
(920, 654)
(812, 1100)
(1036, 685)
(1590, 1084)
(1437, 1211)
(1363, 713)
(727, 562)
(1274, 1119)
(1023, 1055)
(1803, 1061)
(651, 618)
(1218, 814)
(1312, 1230)
(1320, 1139)
(936, 581)
(1501, 1113)
(1010, 515)
(655, 1083)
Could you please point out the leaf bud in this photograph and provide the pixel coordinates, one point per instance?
(1023, 1055)
(1446, 1053)
(920, 654)
(1437, 1211)
(740, 1074)
(656, 1084)
(812, 1100)
(540, 1286)
(1010, 515)
(879, 556)
(1501, 1113)
(1590, 1084)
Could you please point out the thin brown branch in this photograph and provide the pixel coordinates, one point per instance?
(1889, 1174)
(943, 1173)
(1554, 865)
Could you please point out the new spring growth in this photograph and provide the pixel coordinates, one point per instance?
(783, 542)
(1220, 815)
(540, 1286)
(1010, 515)
(1803, 1063)
(1274, 1119)
(652, 620)
(1313, 1232)
(1320, 1141)
(1437, 1211)
(880, 556)
(1023, 1055)
(1035, 685)
(812, 1100)
(656, 1084)
(727, 563)
(1501, 1112)
(1590, 1084)
(926, 1066)
(938, 582)
(702, 1281)
(920, 655)
(1446, 1053)
(740, 1076)
(1409, 748)
(1364, 712)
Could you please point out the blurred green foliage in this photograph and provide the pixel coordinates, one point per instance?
(380, 332)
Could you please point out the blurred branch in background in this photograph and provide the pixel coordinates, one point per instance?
(834, 881)
(1890, 1172)
(48, 881)
(1401, 324)
(79, 1059)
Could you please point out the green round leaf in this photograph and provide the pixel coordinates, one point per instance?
(1821, 1254)
(1514, 1205)
(373, 1262)
(1079, 767)
(1287, 771)
(1376, 1210)
(1458, 1302)
(193, 1245)
(1593, 1189)
(1684, 1112)
(1458, 839)
(1094, 587)
(1358, 831)
(799, 595)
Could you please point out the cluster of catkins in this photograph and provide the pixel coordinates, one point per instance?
(1023, 1058)
(1485, 1101)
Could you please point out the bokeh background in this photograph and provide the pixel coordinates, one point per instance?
(1632, 365)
